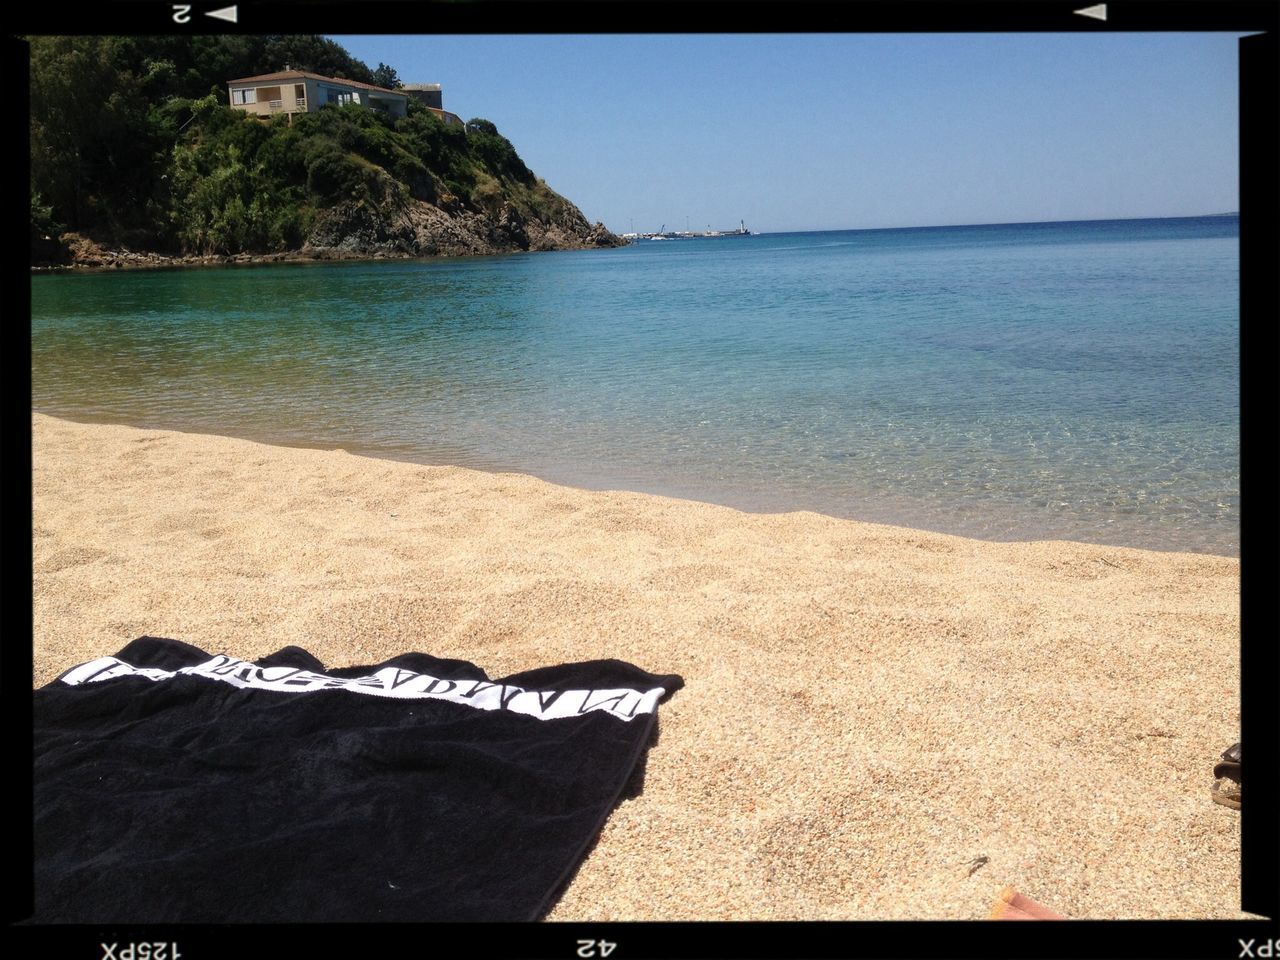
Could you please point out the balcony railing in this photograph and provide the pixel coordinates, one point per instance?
(293, 106)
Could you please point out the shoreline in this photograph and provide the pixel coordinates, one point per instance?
(867, 708)
(85, 250)
(90, 257)
(111, 260)
(742, 506)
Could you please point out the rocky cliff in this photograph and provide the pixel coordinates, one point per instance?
(399, 228)
(407, 226)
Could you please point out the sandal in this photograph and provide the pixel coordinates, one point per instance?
(1226, 787)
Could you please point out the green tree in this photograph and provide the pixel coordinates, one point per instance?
(95, 155)
(313, 53)
(384, 76)
(240, 185)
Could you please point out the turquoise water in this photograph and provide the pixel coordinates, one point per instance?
(1071, 381)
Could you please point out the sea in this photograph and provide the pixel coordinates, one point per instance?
(1068, 381)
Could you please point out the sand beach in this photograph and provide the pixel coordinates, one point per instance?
(869, 711)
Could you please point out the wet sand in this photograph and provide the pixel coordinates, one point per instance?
(868, 710)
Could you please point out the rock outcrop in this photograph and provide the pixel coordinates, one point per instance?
(400, 226)
(405, 226)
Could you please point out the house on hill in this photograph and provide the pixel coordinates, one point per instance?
(431, 97)
(297, 91)
(429, 94)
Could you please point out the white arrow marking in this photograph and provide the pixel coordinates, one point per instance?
(229, 14)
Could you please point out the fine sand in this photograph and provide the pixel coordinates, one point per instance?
(868, 709)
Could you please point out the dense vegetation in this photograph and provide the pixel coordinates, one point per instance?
(132, 144)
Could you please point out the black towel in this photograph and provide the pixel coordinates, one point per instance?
(176, 786)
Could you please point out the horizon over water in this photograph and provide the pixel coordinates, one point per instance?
(1070, 380)
(1015, 223)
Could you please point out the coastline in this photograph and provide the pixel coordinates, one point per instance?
(92, 258)
(867, 708)
(123, 259)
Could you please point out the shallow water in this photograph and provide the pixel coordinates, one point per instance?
(1072, 381)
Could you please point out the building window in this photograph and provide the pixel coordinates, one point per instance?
(239, 97)
(340, 97)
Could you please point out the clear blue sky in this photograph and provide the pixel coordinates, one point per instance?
(836, 131)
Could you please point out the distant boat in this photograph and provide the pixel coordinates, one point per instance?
(742, 231)
(662, 234)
